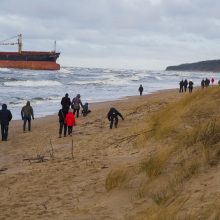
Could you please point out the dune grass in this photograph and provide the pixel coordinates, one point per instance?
(188, 133)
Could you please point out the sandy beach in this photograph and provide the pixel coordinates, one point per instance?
(46, 177)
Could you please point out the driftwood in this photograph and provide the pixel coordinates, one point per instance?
(38, 159)
(3, 169)
(72, 150)
(52, 151)
(130, 137)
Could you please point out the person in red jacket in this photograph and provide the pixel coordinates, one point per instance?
(70, 121)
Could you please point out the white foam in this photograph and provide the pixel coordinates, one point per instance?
(5, 69)
(31, 83)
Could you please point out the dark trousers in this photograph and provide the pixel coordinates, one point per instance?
(112, 120)
(190, 89)
(27, 119)
(70, 130)
(4, 131)
(181, 89)
(185, 88)
(140, 93)
(76, 111)
(62, 125)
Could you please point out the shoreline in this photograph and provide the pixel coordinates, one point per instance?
(98, 104)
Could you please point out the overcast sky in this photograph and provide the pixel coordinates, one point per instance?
(139, 34)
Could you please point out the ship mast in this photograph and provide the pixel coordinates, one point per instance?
(55, 46)
(19, 43)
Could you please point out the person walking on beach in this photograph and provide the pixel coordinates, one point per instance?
(190, 86)
(5, 118)
(113, 117)
(66, 102)
(62, 120)
(76, 103)
(141, 89)
(207, 82)
(70, 121)
(203, 83)
(212, 80)
(181, 86)
(185, 84)
(26, 114)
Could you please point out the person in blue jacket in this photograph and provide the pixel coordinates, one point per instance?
(5, 118)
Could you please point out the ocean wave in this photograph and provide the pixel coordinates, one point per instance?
(31, 83)
(5, 70)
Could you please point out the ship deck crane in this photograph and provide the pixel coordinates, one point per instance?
(19, 42)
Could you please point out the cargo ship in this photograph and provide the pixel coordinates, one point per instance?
(36, 60)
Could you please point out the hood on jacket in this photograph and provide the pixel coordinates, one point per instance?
(28, 103)
(4, 106)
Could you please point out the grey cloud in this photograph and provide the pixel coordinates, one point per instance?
(163, 30)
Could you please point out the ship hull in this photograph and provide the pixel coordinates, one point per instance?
(34, 65)
(36, 60)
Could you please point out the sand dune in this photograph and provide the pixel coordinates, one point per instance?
(66, 187)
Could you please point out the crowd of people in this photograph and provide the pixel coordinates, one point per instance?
(184, 84)
(70, 110)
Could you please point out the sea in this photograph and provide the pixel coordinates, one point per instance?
(45, 89)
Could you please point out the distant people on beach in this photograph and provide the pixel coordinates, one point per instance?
(62, 120)
(26, 114)
(76, 103)
(141, 89)
(5, 118)
(203, 83)
(185, 84)
(190, 86)
(70, 121)
(86, 109)
(113, 117)
(212, 80)
(207, 82)
(66, 102)
(181, 83)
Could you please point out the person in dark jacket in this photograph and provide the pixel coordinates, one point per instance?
(26, 114)
(76, 103)
(190, 86)
(66, 102)
(203, 83)
(181, 83)
(185, 84)
(113, 117)
(62, 115)
(5, 118)
(141, 89)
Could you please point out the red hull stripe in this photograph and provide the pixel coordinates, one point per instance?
(34, 65)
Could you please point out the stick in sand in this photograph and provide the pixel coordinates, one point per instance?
(72, 149)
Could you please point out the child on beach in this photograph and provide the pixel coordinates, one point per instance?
(70, 121)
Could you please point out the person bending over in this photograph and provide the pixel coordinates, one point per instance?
(113, 117)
